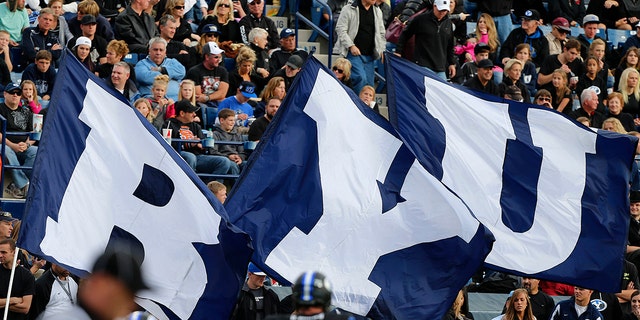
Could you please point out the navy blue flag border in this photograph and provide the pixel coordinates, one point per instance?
(386, 306)
(34, 221)
(397, 68)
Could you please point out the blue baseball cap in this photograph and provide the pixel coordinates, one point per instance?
(255, 270)
(12, 87)
(287, 32)
(210, 28)
(248, 89)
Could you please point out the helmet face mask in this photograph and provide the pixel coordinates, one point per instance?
(312, 289)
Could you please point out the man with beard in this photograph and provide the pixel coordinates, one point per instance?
(259, 126)
(541, 303)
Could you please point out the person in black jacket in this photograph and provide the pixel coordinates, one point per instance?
(254, 19)
(528, 33)
(434, 40)
(54, 288)
(482, 81)
(256, 301)
(136, 27)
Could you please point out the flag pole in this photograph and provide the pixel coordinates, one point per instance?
(13, 272)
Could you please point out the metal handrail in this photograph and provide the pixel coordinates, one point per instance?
(317, 28)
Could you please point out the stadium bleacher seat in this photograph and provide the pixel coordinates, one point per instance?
(618, 37)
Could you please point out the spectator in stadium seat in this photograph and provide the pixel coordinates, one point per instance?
(121, 81)
(183, 32)
(342, 70)
(512, 75)
(530, 33)
(62, 28)
(543, 98)
(56, 292)
(589, 104)
(280, 56)
(629, 285)
(629, 86)
(258, 127)
(614, 107)
(245, 71)
(90, 7)
(20, 149)
(460, 308)
(227, 130)
(116, 51)
(41, 37)
(629, 60)
(14, 19)
(558, 35)
(500, 11)
(567, 309)
(98, 50)
(368, 96)
(157, 63)
(572, 10)
(290, 70)
(194, 154)
(22, 284)
(42, 74)
(482, 81)
(254, 290)
(5, 54)
(607, 304)
(593, 78)
(224, 21)
(136, 27)
(219, 190)
(255, 19)
(82, 51)
(519, 306)
(634, 40)
(567, 61)
(541, 303)
(238, 103)
(590, 24)
(612, 14)
(176, 49)
(258, 39)
(211, 79)
(437, 56)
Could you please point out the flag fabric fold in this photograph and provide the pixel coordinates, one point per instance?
(104, 174)
(553, 192)
(331, 187)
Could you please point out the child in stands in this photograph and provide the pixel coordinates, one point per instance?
(30, 96)
(159, 101)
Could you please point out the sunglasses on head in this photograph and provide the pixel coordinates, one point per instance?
(336, 69)
(224, 5)
(178, 7)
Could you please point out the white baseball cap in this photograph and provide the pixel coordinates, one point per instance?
(442, 4)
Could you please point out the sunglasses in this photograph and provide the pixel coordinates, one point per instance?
(210, 35)
(337, 70)
(178, 7)
(544, 99)
(224, 5)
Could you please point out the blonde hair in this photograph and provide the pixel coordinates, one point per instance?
(170, 5)
(622, 86)
(161, 81)
(193, 96)
(510, 63)
(119, 47)
(617, 125)
(491, 32)
(89, 7)
(345, 65)
(149, 116)
(229, 16)
(215, 186)
(510, 314)
(246, 54)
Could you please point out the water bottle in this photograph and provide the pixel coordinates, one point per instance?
(576, 101)
(208, 142)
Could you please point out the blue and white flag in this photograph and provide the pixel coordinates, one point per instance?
(332, 188)
(553, 192)
(103, 173)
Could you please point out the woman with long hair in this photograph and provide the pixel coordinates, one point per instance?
(275, 88)
(460, 308)
(184, 33)
(629, 87)
(519, 306)
(224, 20)
(486, 33)
(629, 60)
(529, 74)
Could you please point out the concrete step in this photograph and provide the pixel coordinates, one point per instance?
(304, 34)
(281, 22)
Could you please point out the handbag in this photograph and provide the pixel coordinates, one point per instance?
(395, 28)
